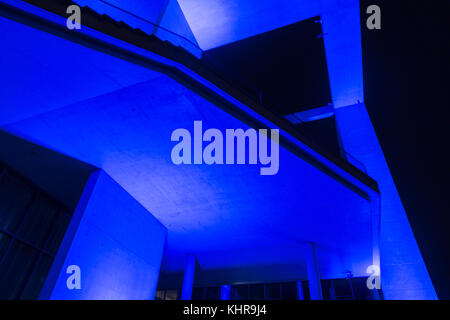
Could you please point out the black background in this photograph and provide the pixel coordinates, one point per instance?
(406, 88)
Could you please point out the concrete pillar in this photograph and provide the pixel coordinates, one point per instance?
(225, 291)
(300, 291)
(403, 272)
(188, 281)
(112, 260)
(315, 288)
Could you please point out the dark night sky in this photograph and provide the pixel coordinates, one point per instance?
(406, 70)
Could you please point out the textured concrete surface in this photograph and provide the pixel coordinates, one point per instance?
(118, 247)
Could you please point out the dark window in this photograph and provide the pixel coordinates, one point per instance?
(32, 225)
(256, 292)
(289, 290)
(170, 294)
(343, 289)
(273, 291)
(212, 293)
(57, 232)
(37, 278)
(15, 268)
(332, 289)
(4, 243)
(239, 292)
(15, 196)
(327, 292)
(197, 294)
(40, 215)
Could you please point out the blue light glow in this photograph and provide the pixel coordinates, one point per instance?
(119, 117)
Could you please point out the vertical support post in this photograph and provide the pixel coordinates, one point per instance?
(225, 292)
(300, 291)
(132, 274)
(315, 288)
(188, 281)
(332, 291)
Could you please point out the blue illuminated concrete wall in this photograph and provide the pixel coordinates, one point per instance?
(21, 64)
(117, 244)
(219, 22)
(403, 272)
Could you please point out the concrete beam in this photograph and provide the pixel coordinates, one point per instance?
(311, 115)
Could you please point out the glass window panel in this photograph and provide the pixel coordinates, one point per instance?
(37, 279)
(14, 199)
(289, 291)
(342, 289)
(273, 291)
(239, 292)
(57, 232)
(256, 292)
(360, 289)
(38, 220)
(4, 243)
(171, 294)
(212, 293)
(198, 293)
(305, 287)
(326, 289)
(15, 269)
(159, 295)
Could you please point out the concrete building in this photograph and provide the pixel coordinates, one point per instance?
(87, 116)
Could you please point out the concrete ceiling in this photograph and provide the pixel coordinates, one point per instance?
(219, 22)
(28, 87)
(119, 117)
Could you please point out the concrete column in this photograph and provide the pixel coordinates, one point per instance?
(188, 281)
(113, 260)
(300, 291)
(225, 291)
(315, 288)
(332, 291)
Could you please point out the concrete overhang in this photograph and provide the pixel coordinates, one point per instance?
(224, 214)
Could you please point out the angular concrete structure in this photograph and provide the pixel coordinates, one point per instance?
(110, 96)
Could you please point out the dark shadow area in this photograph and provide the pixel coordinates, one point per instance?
(406, 82)
(286, 65)
(59, 175)
(286, 69)
(39, 190)
(324, 132)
